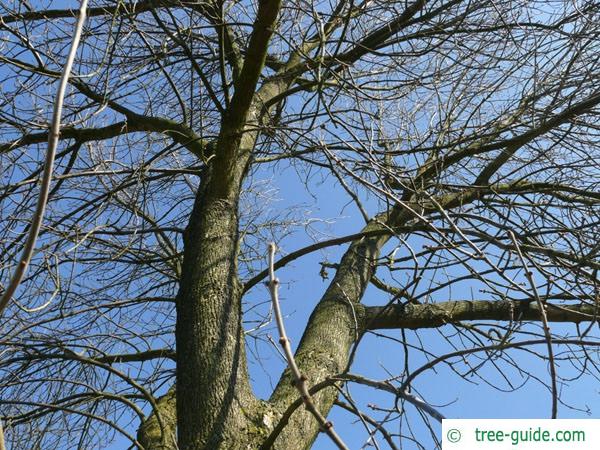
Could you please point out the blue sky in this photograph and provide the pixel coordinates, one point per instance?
(379, 358)
(324, 211)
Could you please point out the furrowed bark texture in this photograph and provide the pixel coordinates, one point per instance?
(216, 408)
(212, 385)
(438, 314)
(332, 330)
(151, 434)
(215, 405)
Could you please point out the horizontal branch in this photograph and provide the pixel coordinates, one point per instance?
(68, 354)
(137, 357)
(438, 314)
(78, 134)
(132, 8)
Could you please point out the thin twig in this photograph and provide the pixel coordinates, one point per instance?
(542, 308)
(300, 380)
(36, 220)
(414, 400)
(363, 416)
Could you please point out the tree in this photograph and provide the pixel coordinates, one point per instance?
(464, 133)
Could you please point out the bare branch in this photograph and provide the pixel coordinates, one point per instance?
(300, 380)
(438, 314)
(542, 309)
(38, 217)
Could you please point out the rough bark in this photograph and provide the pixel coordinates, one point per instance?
(332, 329)
(215, 405)
(438, 314)
(212, 382)
(159, 434)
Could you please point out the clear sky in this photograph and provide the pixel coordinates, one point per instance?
(486, 394)
(312, 206)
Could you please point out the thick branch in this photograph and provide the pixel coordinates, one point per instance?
(299, 379)
(376, 38)
(439, 314)
(235, 118)
(332, 329)
(150, 434)
(79, 134)
(137, 357)
(508, 146)
(108, 10)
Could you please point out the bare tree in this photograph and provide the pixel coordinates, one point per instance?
(463, 133)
